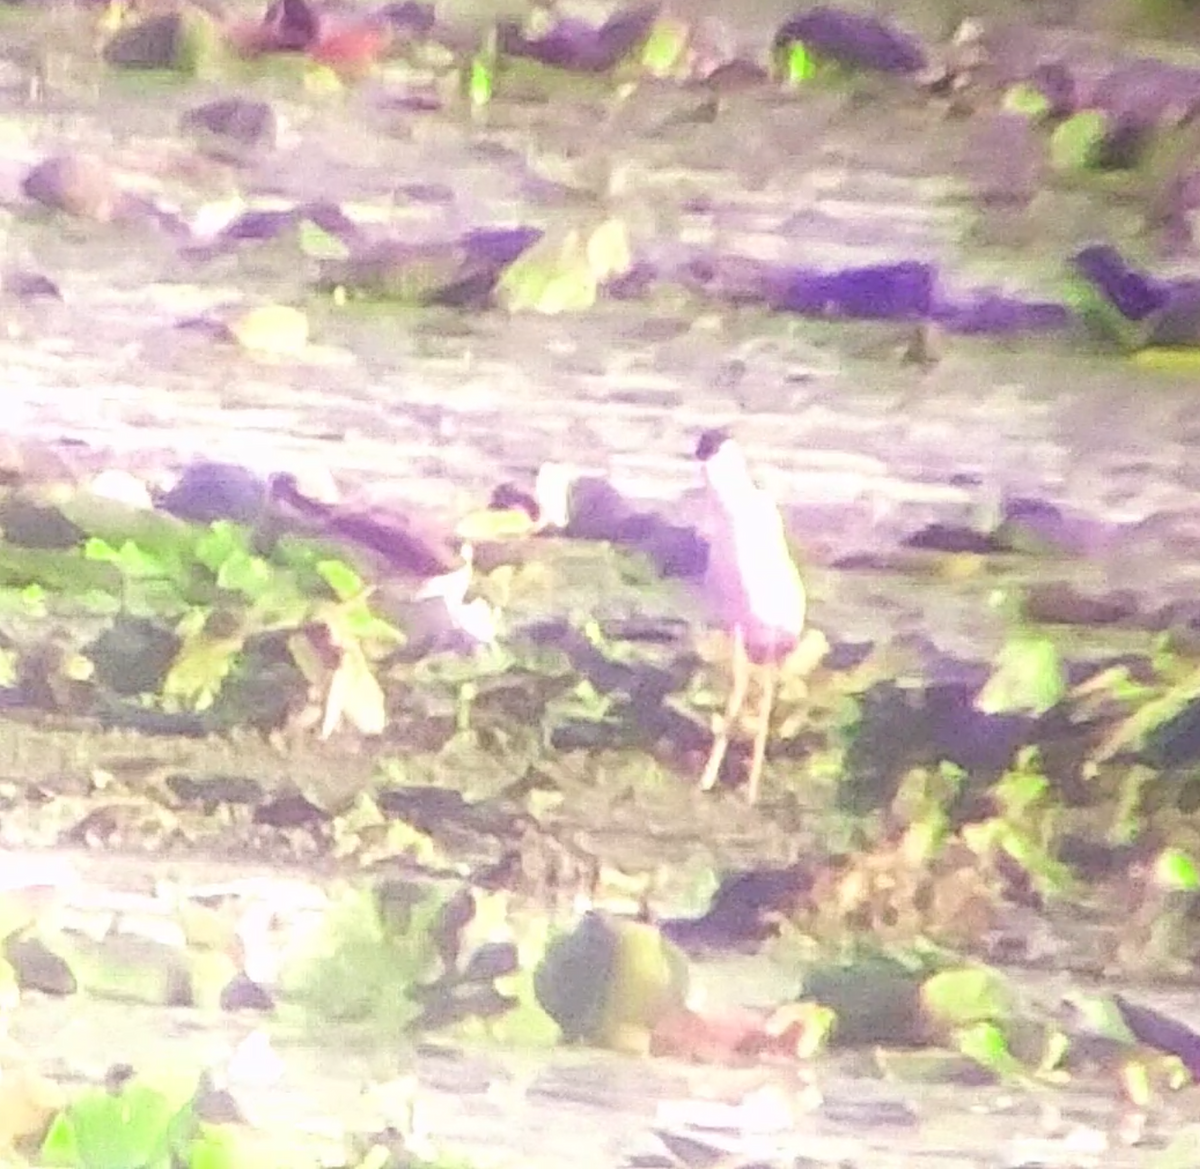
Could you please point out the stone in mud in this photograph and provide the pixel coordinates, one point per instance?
(1172, 210)
(290, 26)
(1134, 295)
(38, 968)
(459, 272)
(992, 315)
(408, 19)
(184, 41)
(1136, 309)
(236, 121)
(216, 491)
(244, 994)
(1061, 603)
(133, 656)
(746, 910)
(903, 727)
(290, 810)
(574, 44)
(735, 76)
(26, 285)
(28, 524)
(953, 538)
(853, 39)
(1146, 91)
(213, 790)
(1056, 83)
(77, 184)
(1038, 527)
(902, 291)
(1163, 1032)
(611, 981)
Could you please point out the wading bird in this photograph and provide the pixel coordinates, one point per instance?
(753, 587)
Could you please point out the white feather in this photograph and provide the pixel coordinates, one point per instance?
(752, 581)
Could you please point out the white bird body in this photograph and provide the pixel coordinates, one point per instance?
(752, 582)
(753, 587)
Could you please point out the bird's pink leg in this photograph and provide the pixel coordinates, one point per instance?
(737, 699)
(762, 730)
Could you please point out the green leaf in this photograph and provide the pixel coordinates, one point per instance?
(320, 244)
(130, 558)
(220, 541)
(246, 574)
(584, 702)
(216, 1148)
(1076, 144)
(1020, 790)
(966, 996)
(481, 85)
(62, 573)
(201, 667)
(1175, 869)
(1102, 1017)
(132, 1128)
(1174, 359)
(666, 47)
(563, 272)
(1050, 877)
(494, 524)
(277, 329)
(1029, 677)
(360, 624)
(1132, 733)
(987, 1045)
(799, 65)
(341, 578)
(371, 950)
(608, 250)
(1027, 100)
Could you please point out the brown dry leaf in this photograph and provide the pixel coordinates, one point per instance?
(355, 694)
(28, 1102)
(730, 1036)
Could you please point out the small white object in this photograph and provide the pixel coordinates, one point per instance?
(122, 487)
(765, 1111)
(552, 490)
(477, 619)
(26, 871)
(255, 1063)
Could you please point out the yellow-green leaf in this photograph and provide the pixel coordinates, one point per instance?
(201, 667)
(1076, 143)
(271, 328)
(355, 694)
(1029, 677)
(495, 524)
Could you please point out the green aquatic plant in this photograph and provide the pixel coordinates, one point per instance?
(189, 604)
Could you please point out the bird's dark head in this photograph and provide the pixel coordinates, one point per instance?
(710, 442)
(724, 465)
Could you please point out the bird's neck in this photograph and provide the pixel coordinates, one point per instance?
(732, 492)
